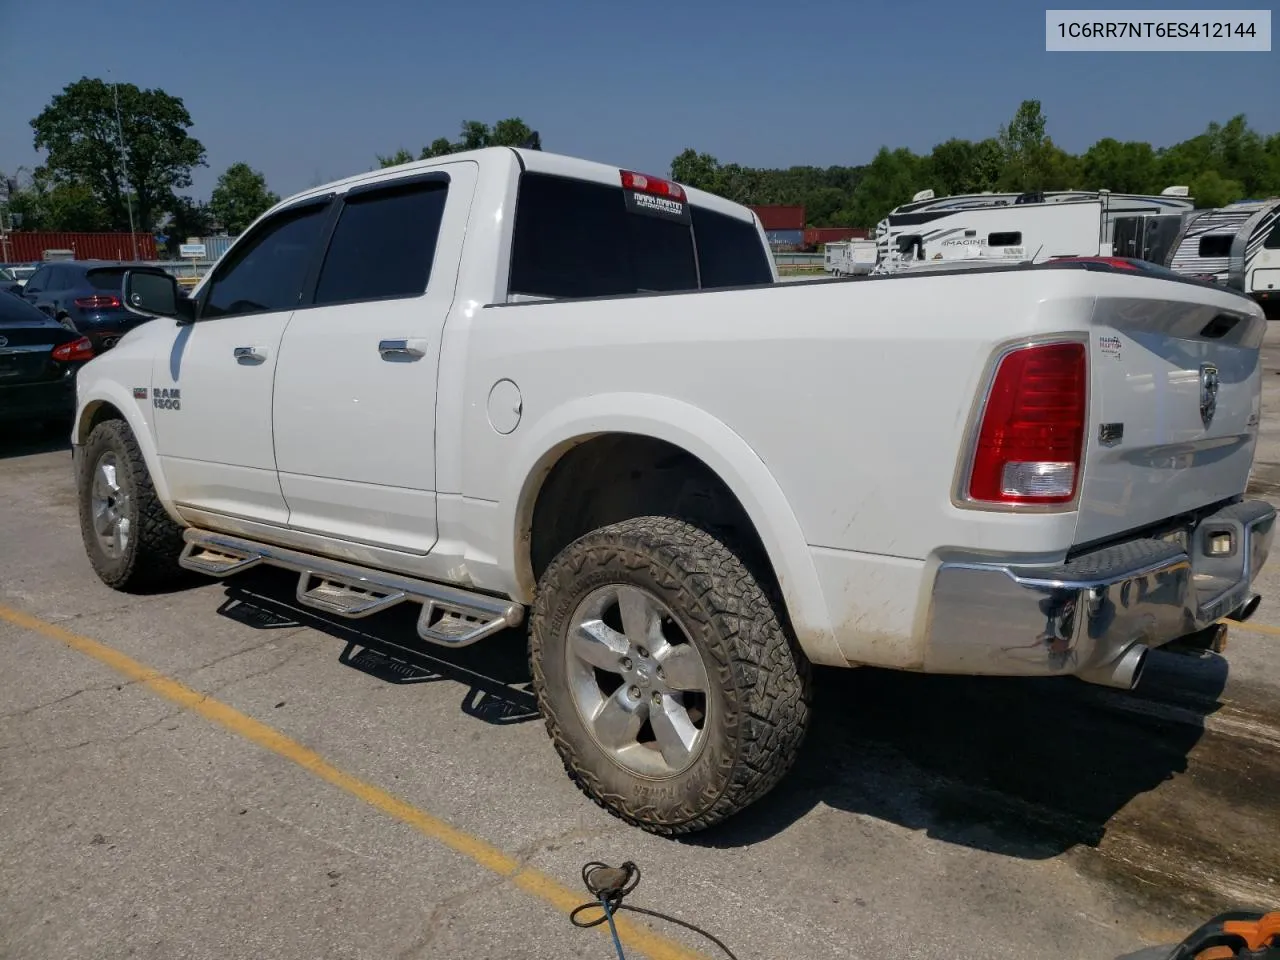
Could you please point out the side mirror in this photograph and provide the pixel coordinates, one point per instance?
(155, 295)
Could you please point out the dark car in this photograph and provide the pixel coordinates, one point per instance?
(39, 358)
(85, 296)
(9, 282)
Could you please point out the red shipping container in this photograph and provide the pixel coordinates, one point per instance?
(813, 236)
(778, 217)
(29, 246)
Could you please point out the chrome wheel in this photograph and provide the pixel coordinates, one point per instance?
(109, 502)
(639, 684)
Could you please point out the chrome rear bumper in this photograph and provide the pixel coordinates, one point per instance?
(1096, 615)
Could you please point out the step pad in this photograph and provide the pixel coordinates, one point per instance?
(344, 599)
(216, 563)
(456, 627)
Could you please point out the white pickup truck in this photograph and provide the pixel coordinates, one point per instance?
(507, 384)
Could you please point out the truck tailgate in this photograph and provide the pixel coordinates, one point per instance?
(1176, 400)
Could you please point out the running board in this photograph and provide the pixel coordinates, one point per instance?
(215, 562)
(450, 616)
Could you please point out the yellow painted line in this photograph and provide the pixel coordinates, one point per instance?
(1248, 627)
(633, 935)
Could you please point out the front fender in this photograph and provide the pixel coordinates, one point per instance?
(91, 398)
(711, 441)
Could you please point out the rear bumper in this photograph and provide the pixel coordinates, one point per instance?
(1096, 615)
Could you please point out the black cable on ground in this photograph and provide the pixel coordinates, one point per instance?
(612, 885)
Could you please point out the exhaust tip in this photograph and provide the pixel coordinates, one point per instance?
(1248, 610)
(1123, 673)
(1138, 668)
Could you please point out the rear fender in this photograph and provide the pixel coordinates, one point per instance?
(716, 445)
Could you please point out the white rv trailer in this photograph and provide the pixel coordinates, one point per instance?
(1237, 246)
(1030, 226)
(849, 258)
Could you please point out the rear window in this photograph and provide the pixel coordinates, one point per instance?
(110, 280)
(730, 253)
(574, 238)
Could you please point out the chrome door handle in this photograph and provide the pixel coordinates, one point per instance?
(401, 350)
(249, 354)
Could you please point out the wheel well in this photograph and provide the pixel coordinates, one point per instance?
(94, 414)
(616, 477)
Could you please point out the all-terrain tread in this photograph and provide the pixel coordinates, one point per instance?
(152, 562)
(765, 678)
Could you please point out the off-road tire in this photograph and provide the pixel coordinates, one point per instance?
(760, 682)
(150, 561)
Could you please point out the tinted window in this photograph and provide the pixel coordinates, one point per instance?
(730, 251)
(17, 311)
(1011, 239)
(110, 280)
(37, 279)
(1216, 245)
(573, 238)
(267, 270)
(1273, 238)
(383, 244)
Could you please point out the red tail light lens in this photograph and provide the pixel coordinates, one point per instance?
(647, 184)
(99, 301)
(1031, 440)
(74, 351)
(1117, 262)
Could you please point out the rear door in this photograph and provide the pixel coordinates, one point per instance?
(1175, 408)
(355, 394)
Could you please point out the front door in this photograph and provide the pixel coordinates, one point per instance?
(355, 395)
(211, 391)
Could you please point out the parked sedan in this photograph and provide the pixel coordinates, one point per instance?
(39, 359)
(84, 295)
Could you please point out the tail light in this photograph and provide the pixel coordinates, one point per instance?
(99, 301)
(647, 184)
(74, 351)
(1031, 440)
(1117, 262)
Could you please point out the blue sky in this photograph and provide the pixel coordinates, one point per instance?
(308, 92)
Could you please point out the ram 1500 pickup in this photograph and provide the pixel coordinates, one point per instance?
(514, 387)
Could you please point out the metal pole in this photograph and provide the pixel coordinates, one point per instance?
(124, 168)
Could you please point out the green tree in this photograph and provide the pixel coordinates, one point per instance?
(892, 178)
(474, 135)
(1128, 167)
(1212, 189)
(187, 218)
(698, 170)
(240, 197)
(80, 132)
(439, 147)
(45, 205)
(400, 156)
(1024, 144)
(1226, 162)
